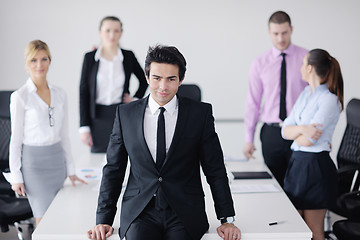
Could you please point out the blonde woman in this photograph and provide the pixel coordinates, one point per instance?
(40, 157)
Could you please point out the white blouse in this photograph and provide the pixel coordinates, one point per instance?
(110, 79)
(34, 123)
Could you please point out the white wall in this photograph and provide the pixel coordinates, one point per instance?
(218, 38)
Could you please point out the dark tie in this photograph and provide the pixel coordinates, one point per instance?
(160, 147)
(282, 114)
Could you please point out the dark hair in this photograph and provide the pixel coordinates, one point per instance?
(328, 69)
(280, 17)
(110, 18)
(165, 54)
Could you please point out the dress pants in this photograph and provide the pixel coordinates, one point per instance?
(276, 151)
(157, 224)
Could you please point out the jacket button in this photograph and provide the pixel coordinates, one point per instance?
(160, 179)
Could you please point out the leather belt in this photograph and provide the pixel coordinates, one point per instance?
(279, 125)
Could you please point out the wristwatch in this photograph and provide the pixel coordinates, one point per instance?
(227, 220)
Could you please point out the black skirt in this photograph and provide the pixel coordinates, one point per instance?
(101, 127)
(311, 180)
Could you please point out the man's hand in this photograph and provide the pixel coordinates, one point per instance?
(248, 150)
(229, 231)
(100, 232)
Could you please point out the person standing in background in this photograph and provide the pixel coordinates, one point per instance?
(104, 84)
(311, 178)
(275, 80)
(39, 152)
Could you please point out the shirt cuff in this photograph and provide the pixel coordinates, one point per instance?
(13, 178)
(84, 129)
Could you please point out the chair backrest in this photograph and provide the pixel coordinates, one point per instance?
(191, 91)
(5, 129)
(349, 151)
(348, 157)
(5, 103)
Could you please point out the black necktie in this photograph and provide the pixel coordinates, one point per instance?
(282, 114)
(161, 147)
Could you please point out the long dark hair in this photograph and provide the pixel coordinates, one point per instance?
(328, 69)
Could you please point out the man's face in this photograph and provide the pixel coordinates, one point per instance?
(163, 81)
(280, 35)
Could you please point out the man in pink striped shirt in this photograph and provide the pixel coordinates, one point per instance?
(263, 99)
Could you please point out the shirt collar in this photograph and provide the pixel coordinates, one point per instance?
(32, 87)
(170, 107)
(321, 87)
(276, 52)
(98, 56)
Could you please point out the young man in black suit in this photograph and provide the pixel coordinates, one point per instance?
(167, 138)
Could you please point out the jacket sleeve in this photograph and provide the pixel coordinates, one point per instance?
(212, 162)
(85, 93)
(113, 175)
(139, 73)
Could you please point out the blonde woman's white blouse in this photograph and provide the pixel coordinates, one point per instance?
(30, 125)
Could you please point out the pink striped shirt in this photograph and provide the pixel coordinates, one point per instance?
(263, 98)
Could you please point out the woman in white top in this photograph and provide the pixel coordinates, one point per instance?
(104, 84)
(39, 154)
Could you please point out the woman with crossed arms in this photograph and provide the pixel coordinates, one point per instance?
(311, 178)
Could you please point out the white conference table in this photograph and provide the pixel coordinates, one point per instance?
(72, 213)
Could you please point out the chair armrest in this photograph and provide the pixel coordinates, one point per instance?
(348, 168)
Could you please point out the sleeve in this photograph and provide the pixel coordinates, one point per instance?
(17, 114)
(84, 95)
(290, 120)
(212, 162)
(253, 102)
(113, 175)
(65, 139)
(139, 73)
(327, 114)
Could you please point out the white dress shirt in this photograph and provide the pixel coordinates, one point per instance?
(110, 79)
(150, 123)
(30, 125)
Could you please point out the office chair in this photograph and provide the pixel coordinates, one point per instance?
(12, 209)
(5, 131)
(348, 159)
(191, 91)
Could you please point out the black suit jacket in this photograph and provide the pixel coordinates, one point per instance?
(195, 143)
(88, 83)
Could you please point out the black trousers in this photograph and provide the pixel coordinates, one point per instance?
(276, 151)
(156, 224)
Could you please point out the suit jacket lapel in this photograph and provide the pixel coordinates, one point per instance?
(139, 118)
(180, 123)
